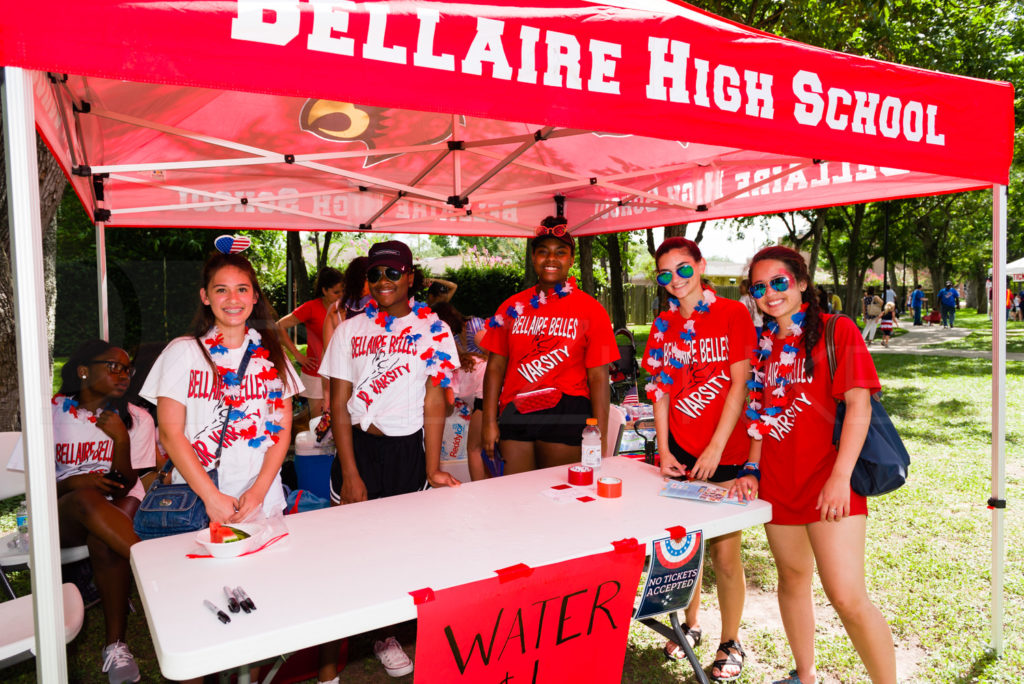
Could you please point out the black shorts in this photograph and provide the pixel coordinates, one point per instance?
(563, 423)
(478, 404)
(387, 465)
(723, 473)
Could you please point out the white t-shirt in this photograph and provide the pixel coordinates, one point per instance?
(182, 373)
(81, 447)
(386, 370)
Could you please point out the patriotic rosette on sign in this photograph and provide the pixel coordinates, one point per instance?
(663, 367)
(536, 301)
(261, 367)
(763, 410)
(70, 406)
(439, 364)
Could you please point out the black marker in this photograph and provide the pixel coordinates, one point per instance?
(221, 615)
(237, 593)
(232, 601)
(244, 599)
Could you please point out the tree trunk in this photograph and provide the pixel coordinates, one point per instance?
(615, 278)
(300, 276)
(854, 271)
(321, 257)
(586, 245)
(529, 275)
(676, 230)
(651, 249)
(51, 186)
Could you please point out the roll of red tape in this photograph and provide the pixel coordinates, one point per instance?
(581, 475)
(609, 487)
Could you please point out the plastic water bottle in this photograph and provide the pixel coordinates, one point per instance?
(22, 519)
(592, 444)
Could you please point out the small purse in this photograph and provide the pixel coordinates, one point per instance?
(883, 462)
(537, 400)
(168, 509)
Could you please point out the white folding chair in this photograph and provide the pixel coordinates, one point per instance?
(17, 626)
(12, 483)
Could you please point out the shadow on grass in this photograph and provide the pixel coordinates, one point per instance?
(908, 366)
(978, 668)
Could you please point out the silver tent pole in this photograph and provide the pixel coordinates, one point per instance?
(35, 385)
(101, 280)
(998, 501)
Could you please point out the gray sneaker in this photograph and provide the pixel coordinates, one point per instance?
(119, 663)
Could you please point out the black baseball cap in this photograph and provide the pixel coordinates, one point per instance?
(391, 253)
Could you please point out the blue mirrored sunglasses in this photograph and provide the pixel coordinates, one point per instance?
(779, 284)
(683, 271)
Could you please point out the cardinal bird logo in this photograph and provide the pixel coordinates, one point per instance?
(374, 127)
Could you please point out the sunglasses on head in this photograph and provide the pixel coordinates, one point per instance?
(389, 272)
(558, 230)
(683, 271)
(778, 283)
(116, 367)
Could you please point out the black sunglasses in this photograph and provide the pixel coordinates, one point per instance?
(392, 274)
(116, 367)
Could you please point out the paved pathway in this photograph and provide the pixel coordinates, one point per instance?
(917, 337)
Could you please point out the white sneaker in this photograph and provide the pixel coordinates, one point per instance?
(390, 653)
(119, 663)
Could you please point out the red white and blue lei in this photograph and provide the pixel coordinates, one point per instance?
(261, 367)
(661, 380)
(763, 413)
(439, 364)
(69, 405)
(535, 302)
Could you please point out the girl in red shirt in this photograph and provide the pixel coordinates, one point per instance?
(698, 355)
(817, 519)
(547, 371)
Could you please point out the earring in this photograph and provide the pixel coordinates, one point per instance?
(84, 377)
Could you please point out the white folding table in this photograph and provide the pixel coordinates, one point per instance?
(349, 569)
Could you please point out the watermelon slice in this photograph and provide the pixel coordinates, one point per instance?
(224, 534)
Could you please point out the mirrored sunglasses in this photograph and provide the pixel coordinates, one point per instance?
(116, 367)
(683, 271)
(778, 283)
(392, 274)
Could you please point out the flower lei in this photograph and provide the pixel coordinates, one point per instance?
(439, 363)
(762, 417)
(660, 380)
(69, 405)
(261, 366)
(539, 299)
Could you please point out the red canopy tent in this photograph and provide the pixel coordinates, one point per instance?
(464, 118)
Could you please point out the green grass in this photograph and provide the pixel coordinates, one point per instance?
(928, 553)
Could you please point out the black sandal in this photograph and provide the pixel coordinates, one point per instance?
(727, 647)
(674, 651)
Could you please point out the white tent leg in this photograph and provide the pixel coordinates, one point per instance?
(101, 280)
(30, 322)
(998, 411)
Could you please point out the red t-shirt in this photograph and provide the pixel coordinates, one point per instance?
(312, 315)
(722, 336)
(553, 345)
(797, 456)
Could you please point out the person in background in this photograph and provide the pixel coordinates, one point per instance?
(835, 303)
(823, 300)
(916, 302)
(439, 291)
(547, 372)
(817, 518)
(701, 347)
(98, 495)
(328, 289)
(1018, 301)
(872, 312)
(890, 295)
(949, 302)
(888, 321)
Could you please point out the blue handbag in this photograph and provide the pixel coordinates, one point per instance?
(168, 509)
(883, 462)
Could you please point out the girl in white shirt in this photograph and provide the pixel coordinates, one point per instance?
(199, 395)
(100, 441)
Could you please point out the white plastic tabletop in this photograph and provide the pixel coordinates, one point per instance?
(349, 569)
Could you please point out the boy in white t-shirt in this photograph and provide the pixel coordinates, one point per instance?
(390, 369)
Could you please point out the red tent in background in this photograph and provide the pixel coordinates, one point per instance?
(461, 118)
